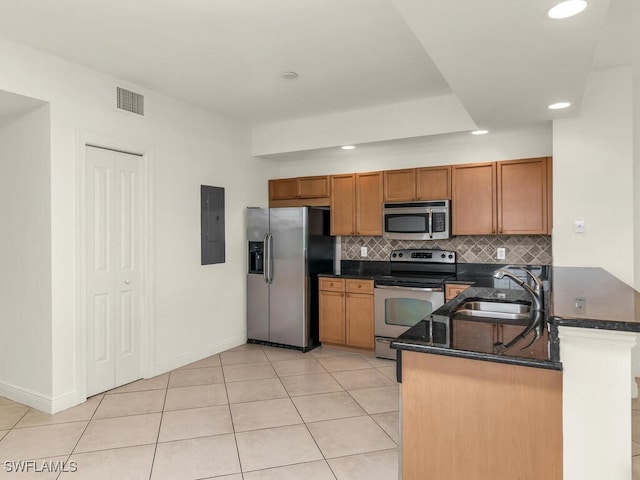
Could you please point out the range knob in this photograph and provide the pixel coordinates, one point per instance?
(394, 255)
(400, 254)
(443, 255)
(451, 255)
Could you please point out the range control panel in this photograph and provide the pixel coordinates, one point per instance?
(423, 255)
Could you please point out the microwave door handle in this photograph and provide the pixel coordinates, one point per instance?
(430, 223)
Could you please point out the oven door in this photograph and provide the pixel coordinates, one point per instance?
(399, 308)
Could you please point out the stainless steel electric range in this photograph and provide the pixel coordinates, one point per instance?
(412, 291)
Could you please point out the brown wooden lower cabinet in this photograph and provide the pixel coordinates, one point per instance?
(467, 419)
(346, 312)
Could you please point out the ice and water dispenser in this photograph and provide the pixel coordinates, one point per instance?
(256, 257)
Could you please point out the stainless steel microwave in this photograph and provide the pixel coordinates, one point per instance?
(416, 220)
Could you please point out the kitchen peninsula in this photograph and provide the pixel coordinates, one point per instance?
(480, 414)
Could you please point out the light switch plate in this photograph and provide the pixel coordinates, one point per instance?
(363, 252)
(579, 226)
(501, 253)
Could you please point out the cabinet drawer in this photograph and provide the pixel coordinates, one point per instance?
(359, 286)
(453, 290)
(331, 284)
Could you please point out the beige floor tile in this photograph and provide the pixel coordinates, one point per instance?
(196, 458)
(196, 376)
(635, 448)
(349, 436)
(367, 466)
(635, 403)
(390, 423)
(10, 415)
(344, 362)
(308, 471)
(243, 357)
(635, 425)
(245, 346)
(356, 379)
(131, 463)
(332, 351)
(377, 400)
(236, 476)
(327, 406)
(310, 384)
(3, 433)
(252, 371)
(195, 422)
(253, 390)
(82, 412)
(276, 447)
(35, 471)
(120, 432)
(379, 362)
(635, 468)
(276, 354)
(131, 403)
(286, 368)
(5, 402)
(155, 383)
(194, 397)
(40, 442)
(389, 372)
(264, 414)
(212, 361)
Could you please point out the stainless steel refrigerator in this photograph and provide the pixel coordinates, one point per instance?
(287, 248)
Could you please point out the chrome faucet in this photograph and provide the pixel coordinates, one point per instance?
(535, 292)
(537, 318)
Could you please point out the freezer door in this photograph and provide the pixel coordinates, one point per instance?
(257, 287)
(288, 303)
(257, 308)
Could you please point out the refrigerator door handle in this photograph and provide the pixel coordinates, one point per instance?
(265, 266)
(270, 259)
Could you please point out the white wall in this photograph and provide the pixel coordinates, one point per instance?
(198, 309)
(593, 178)
(429, 116)
(25, 254)
(525, 142)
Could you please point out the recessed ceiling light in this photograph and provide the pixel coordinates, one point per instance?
(348, 147)
(290, 75)
(559, 105)
(479, 132)
(567, 9)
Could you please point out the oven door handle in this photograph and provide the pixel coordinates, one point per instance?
(414, 289)
(430, 223)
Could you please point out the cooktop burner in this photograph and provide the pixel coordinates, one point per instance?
(419, 268)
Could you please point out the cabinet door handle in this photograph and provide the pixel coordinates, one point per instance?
(495, 333)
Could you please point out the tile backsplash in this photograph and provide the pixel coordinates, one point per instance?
(520, 249)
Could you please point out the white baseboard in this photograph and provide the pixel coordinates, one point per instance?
(194, 356)
(27, 397)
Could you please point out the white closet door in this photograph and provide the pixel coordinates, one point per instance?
(113, 236)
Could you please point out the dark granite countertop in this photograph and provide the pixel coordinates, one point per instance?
(348, 275)
(480, 330)
(593, 298)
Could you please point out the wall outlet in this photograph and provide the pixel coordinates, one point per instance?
(501, 253)
(363, 252)
(578, 226)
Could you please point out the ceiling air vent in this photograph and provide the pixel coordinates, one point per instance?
(130, 101)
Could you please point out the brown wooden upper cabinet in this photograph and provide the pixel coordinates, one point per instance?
(356, 204)
(473, 199)
(427, 183)
(524, 194)
(511, 197)
(291, 192)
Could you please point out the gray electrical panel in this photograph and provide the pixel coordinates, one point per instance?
(212, 224)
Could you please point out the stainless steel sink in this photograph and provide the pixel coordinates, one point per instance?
(486, 309)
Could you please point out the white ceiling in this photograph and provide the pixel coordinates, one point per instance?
(503, 58)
